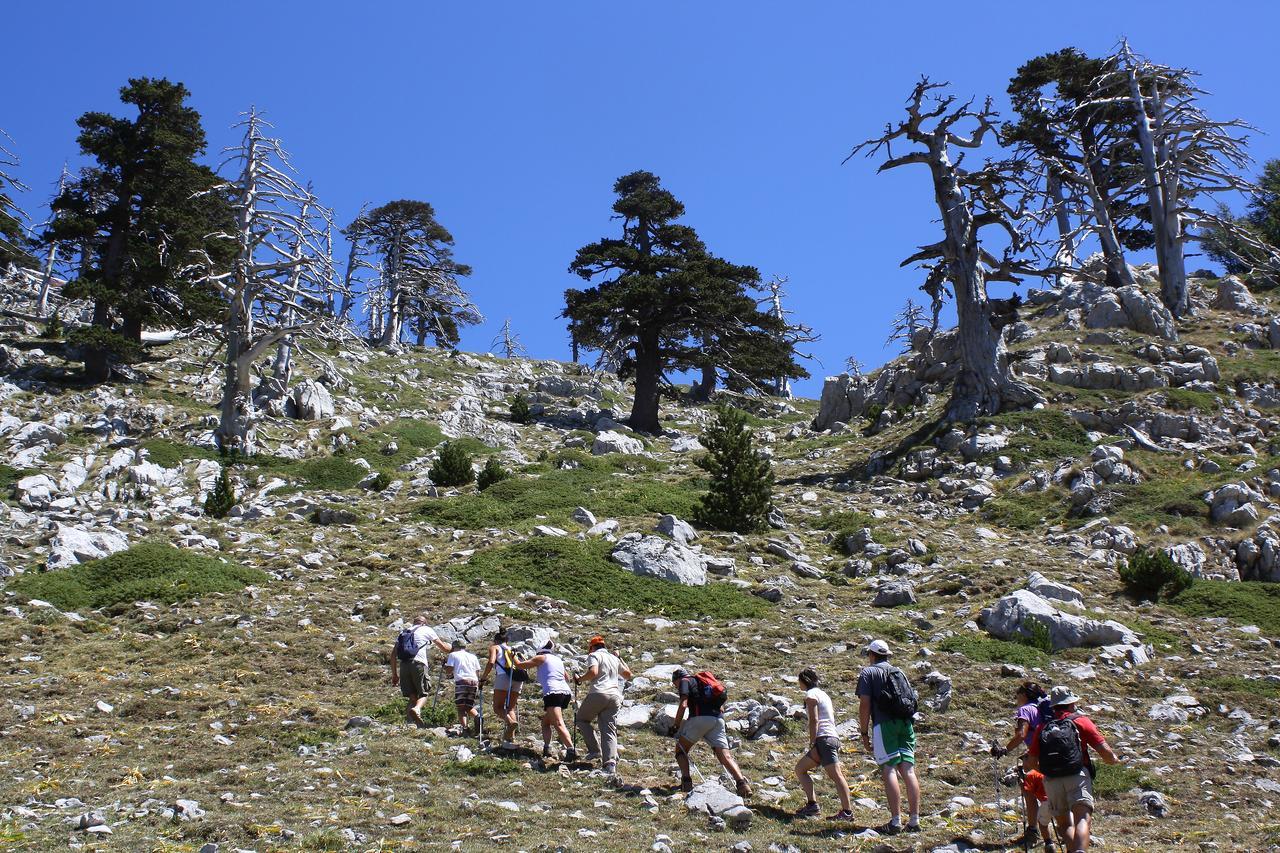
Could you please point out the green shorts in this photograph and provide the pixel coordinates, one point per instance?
(894, 743)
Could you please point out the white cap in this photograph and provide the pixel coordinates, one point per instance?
(880, 647)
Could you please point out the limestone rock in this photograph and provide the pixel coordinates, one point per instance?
(615, 442)
(680, 531)
(1234, 295)
(654, 556)
(312, 401)
(1054, 591)
(1009, 617)
(893, 594)
(71, 546)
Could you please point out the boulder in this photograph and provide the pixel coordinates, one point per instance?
(893, 594)
(1054, 591)
(312, 401)
(1106, 313)
(843, 399)
(654, 556)
(634, 716)
(35, 491)
(1234, 295)
(1232, 505)
(71, 546)
(615, 442)
(1273, 332)
(712, 798)
(680, 531)
(686, 444)
(1010, 616)
(584, 516)
(603, 528)
(1189, 556)
(1258, 557)
(149, 475)
(327, 515)
(1147, 314)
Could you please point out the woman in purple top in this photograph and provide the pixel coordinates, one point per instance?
(1026, 722)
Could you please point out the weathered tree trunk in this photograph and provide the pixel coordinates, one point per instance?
(1065, 256)
(46, 280)
(393, 311)
(644, 410)
(707, 387)
(1117, 268)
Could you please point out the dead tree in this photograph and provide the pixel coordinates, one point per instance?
(507, 343)
(789, 335)
(907, 326)
(12, 230)
(967, 201)
(49, 267)
(277, 284)
(1184, 155)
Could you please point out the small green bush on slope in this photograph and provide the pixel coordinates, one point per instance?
(582, 574)
(1247, 602)
(146, 572)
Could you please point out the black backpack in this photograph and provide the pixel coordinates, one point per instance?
(1061, 752)
(407, 647)
(897, 699)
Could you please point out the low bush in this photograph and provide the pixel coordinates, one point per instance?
(1186, 400)
(582, 574)
(1149, 572)
(491, 473)
(380, 481)
(146, 572)
(482, 766)
(453, 467)
(170, 454)
(222, 497)
(991, 650)
(520, 412)
(1041, 434)
(1037, 637)
(328, 473)
(1027, 510)
(1246, 602)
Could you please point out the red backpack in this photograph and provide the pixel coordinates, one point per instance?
(711, 692)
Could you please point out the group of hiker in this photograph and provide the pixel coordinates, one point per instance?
(1055, 773)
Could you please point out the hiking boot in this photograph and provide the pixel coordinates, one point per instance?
(889, 828)
(843, 814)
(686, 784)
(546, 752)
(591, 757)
(570, 755)
(1032, 835)
(744, 789)
(414, 717)
(508, 745)
(1049, 846)
(809, 809)
(913, 826)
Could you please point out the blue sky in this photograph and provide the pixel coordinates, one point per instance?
(514, 119)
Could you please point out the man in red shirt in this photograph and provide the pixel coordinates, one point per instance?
(1060, 750)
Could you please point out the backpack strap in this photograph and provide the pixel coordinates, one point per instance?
(1084, 747)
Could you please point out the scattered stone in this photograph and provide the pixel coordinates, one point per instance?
(615, 442)
(680, 531)
(894, 594)
(654, 556)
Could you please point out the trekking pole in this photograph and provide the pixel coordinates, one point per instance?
(1022, 809)
(995, 775)
(574, 733)
(435, 699)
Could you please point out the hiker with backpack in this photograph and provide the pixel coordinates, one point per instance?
(409, 665)
(1060, 750)
(824, 750)
(605, 672)
(886, 707)
(702, 698)
(507, 681)
(556, 696)
(464, 668)
(1033, 706)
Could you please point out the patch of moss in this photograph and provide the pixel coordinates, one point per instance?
(1027, 510)
(991, 650)
(582, 574)
(146, 572)
(1186, 400)
(1041, 434)
(170, 454)
(1246, 602)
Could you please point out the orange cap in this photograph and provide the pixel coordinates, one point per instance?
(597, 640)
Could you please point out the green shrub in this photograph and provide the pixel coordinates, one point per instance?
(327, 840)
(380, 481)
(482, 766)
(1038, 434)
(520, 412)
(1027, 510)
(116, 346)
(1116, 780)
(54, 330)
(1184, 400)
(453, 466)
(308, 736)
(491, 473)
(741, 488)
(9, 477)
(146, 572)
(222, 497)
(1037, 636)
(1246, 602)
(582, 574)
(328, 473)
(1149, 572)
(990, 650)
(170, 454)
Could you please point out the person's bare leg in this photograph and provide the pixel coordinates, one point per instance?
(546, 731)
(803, 766)
(892, 795)
(908, 773)
(725, 757)
(842, 787)
(1080, 816)
(682, 756)
(1067, 830)
(557, 722)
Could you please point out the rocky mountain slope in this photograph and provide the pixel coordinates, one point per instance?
(175, 702)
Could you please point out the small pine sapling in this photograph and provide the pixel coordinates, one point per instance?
(741, 489)
(491, 473)
(453, 466)
(222, 497)
(520, 412)
(54, 330)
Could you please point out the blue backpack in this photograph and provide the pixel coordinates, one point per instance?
(407, 647)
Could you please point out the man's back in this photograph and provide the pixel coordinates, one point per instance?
(871, 683)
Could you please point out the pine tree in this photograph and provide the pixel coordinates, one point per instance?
(144, 214)
(453, 466)
(222, 497)
(663, 303)
(520, 413)
(491, 473)
(741, 479)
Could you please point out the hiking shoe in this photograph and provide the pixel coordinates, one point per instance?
(686, 784)
(571, 755)
(889, 828)
(591, 757)
(843, 814)
(809, 809)
(509, 745)
(546, 752)
(1049, 846)
(913, 826)
(744, 789)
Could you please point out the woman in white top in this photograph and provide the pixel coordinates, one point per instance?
(824, 748)
(556, 696)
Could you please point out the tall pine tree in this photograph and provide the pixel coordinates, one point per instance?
(143, 214)
(663, 303)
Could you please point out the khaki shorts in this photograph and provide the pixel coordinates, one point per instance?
(1067, 792)
(709, 729)
(413, 680)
